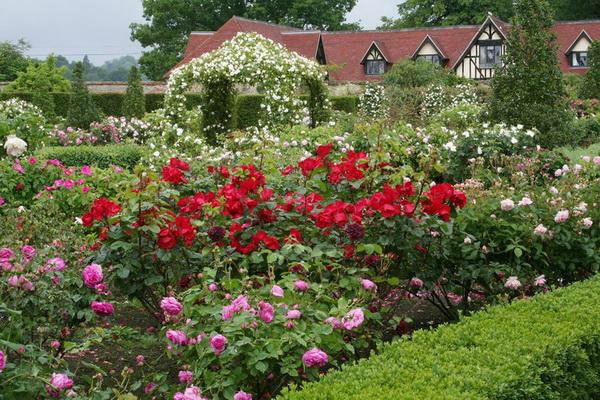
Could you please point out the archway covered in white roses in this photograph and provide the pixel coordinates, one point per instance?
(253, 60)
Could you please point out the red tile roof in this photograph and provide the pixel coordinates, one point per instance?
(347, 49)
(566, 35)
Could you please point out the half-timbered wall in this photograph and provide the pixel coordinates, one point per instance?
(470, 66)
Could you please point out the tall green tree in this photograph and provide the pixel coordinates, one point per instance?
(134, 102)
(590, 86)
(529, 88)
(42, 74)
(12, 59)
(169, 23)
(82, 110)
(415, 13)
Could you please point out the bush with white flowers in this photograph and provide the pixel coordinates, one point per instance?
(373, 103)
(23, 119)
(252, 60)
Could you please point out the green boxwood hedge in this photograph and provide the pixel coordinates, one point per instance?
(124, 155)
(547, 347)
(245, 114)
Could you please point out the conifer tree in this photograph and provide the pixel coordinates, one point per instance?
(134, 104)
(82, 110)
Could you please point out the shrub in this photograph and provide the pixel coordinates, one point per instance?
(247, 111)
(154, 101)
(460, 117)
(347, 104)
(134, 104)
(23, 119)
(126, 155)
(412, 74)
(373, 103)
(529, 89)
(543, 348)
(586, 131)
(590, 86)
(82, 110)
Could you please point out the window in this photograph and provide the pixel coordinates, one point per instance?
(432, 58)
(375, 67)
(490, 55)
(578, 59)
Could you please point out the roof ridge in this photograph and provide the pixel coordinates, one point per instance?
(581, 21)
(264, 23)
(202, 32)
(421, 28)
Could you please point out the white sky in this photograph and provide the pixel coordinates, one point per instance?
(100, 28)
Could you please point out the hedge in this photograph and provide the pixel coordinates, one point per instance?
(547, 347)
(246, 110)
(124, 155)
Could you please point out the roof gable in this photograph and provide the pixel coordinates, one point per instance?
(582, 35)
(431, 41)
(497, 23)
(377, 46)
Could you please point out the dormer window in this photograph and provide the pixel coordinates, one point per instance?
(577, 53)
(374, 61)
(432, 58)
(578, 59)
(490, 55)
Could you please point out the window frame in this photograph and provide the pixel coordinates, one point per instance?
(575, 54)
(430, 58)
(483, 47)
(380, 70)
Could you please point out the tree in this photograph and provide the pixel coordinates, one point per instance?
(134, 103)
(82, 110)
(529, 89)
(12, 59)
(171, 21)
(590, 87)
(414, 13)
(46, 72)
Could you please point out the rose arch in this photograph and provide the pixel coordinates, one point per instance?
(253, 60)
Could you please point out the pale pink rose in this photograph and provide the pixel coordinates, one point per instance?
(177, 337)
(56, 264)
(294, 314)
(525, 201)
(353, 319)
(92, 275)
(334, 322)
(277, 291)
(315, 358)
(55, 344)
(139, 360)
(213, 287)
(218, 343)
(191, 393)
(587, 222)
(561, 216)
(416, 282)
(301, 285)
(368, 285)
(513, 283)
(171, 306)
(58, 384)
(507, 205)
(186, 377)
(540, 281)
(540, 230)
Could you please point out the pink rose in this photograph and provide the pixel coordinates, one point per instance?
(266, 312)
(191, 393)
(213, 287)
(177, 337)
(416, 283)
(294, 314)
(315, 358)
(102, 309)
(86, 170)
(218, 343)
(368, 285)
(171, 306)
(540, 281)
(334, 322)
(241, 395)
(301, 285)
(28, 252)
(58, 384)
(92, 275)
(186, 377)
(512, 283)
(353, 319)
(277, 291)
(2, 360)
(6, 254)
(55, 264)
(139, 360)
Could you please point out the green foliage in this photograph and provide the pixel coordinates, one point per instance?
(318, 102)
(447, 12)
(347, 104)
(585, 131)
(154, 101)
(123, 155)
(23, 119)
(590, 87)
(12, 59)
(170, 22)
(82, 110)
(108, 103)
(45, 75)
(247, 111)
(134, 104)
(529, 89)
(412, 74)
(543, 348)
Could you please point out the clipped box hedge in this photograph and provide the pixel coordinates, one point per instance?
(547, 347)
(123, 155)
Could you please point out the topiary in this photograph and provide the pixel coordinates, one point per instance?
(134, 104)
(82, 110)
